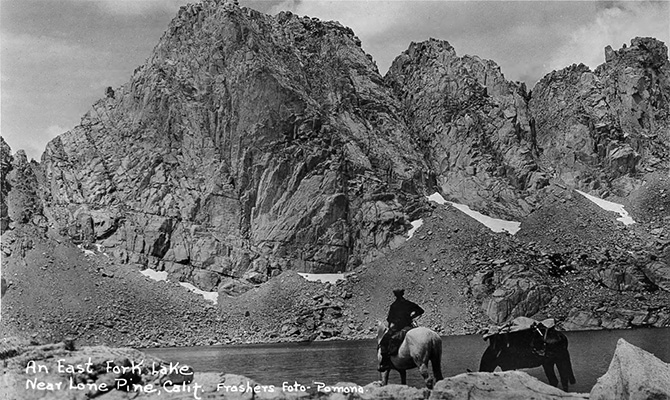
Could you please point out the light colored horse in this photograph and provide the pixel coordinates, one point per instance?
(420, 346)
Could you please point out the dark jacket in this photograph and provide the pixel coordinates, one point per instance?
(400, 312)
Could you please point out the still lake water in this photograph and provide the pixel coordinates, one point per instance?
(356, 361)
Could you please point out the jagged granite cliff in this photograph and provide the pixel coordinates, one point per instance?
(250, 146)
(472, 126)
(21, 191)
(603, 130)
(247, 144)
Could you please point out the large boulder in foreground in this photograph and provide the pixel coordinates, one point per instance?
(633, 374)
(498, 385)
(58, 371)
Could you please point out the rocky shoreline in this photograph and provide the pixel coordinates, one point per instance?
(63, 371)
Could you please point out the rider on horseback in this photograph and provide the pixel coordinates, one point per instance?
(401, 314)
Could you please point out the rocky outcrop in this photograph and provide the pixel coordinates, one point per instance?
(292, 308)
(633, 374)
(498, 385)
(615, 318)
(21, 190)
(520, 284)
(515, 296)
(5, 167)
(509, 291)
(59, 371)
(658, 272)
(246, 144)
(472, 125)
(597, 129)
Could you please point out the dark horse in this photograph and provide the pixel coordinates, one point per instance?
(534, 347)
(420, 346)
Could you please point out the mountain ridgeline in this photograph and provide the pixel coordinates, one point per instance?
(248, 144)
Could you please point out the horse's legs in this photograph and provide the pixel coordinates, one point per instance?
(551, 374)
(564, 367)
(423, 369)
(403, 376)
(384, 377)
(489, 360)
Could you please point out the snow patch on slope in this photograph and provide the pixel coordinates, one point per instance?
(162, 276)
(610, 206)
(494, 224)
(324, 278)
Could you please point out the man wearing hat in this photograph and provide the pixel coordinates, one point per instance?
(401, 314)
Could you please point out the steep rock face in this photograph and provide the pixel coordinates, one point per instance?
(599, 130)
(5, 167)
(494, 146)
(21, 189)
(472, 125)
(246, 144)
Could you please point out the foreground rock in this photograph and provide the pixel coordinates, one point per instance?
(633, 374)
(498, 385)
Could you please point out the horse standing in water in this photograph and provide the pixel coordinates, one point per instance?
(538, 346)
(420, 346)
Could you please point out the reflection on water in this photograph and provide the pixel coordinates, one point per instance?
(355, 361)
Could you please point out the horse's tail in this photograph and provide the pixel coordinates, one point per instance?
(565, 369)
(564, 363)
(436, 358)
(568, 364)
(571, 374)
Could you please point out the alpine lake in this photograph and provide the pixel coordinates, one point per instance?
(309, 364)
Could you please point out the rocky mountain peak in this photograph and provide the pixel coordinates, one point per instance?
(432, 48)
(248, 145)
(439, 54)
(601, 128)
(472, 125)
(649, 52)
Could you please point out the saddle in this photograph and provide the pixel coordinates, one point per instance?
(519, 324)
(538, 344)
(397, 338)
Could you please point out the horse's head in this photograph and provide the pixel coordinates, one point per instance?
(548, 339)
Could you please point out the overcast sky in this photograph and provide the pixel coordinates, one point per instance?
(57, 56)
